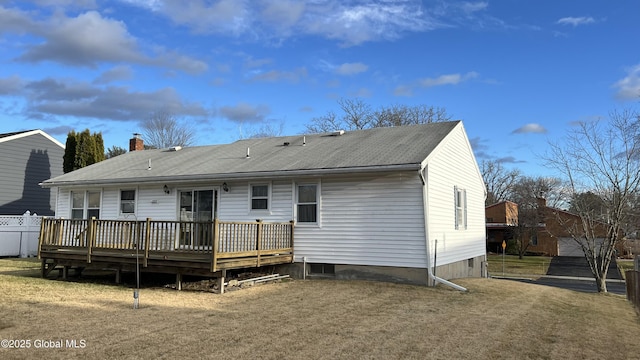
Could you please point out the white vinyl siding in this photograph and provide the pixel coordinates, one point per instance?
(234, 204)
(452, 164)
(366, 220)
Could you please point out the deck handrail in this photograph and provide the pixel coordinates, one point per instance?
(221, 239)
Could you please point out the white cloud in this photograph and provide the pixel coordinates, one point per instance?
(11, 85)
(277, 75)
(629, 86)
(449, 79)
(351, 68)
(88, 40)
(530, 129)
(471, 7)
(244, 112)
(351, 22)
(57, 97)
(403, 90)
(117, 73)
(84, 40)
(575, 21)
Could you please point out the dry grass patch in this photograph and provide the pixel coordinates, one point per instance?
(496, 319)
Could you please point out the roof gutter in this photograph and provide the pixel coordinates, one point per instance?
(232, 176)
(431, 276)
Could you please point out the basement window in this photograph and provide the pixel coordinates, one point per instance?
(322, 269)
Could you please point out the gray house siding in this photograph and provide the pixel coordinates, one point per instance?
(26, 160)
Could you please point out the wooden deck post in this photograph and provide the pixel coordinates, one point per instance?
(258, 241)
(90, 237)
(60, 222)
(292, 222)
(223, 275)
(178, 281)
(41, 237)
(147, 240)
(214, 248)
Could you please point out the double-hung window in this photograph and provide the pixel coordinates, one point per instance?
(460, 199)
(307, 203)
(259, 197)
(127, 201)
(85, 204)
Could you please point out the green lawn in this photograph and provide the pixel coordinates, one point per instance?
(529, 265)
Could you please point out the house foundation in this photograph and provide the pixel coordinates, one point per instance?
(473, 267)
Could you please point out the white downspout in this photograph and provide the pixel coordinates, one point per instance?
(426, 237)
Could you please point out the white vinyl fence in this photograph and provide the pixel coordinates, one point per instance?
(19, 235)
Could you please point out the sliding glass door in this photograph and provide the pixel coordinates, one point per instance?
(197, 210)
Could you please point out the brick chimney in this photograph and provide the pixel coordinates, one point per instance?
(542, 202)
(136, 143)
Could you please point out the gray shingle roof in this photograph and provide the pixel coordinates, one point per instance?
(363, 150)
(14, 133)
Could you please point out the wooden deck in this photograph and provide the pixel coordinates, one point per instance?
(198, 248)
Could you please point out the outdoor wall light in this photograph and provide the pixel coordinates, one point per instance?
(166, 189)
(225, 187)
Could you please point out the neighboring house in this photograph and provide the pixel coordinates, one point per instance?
(501, 218)
(555, 239)
(366, 204)
(551, 239)
(28, 158)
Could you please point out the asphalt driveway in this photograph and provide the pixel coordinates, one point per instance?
(578, 267)
(573, 273)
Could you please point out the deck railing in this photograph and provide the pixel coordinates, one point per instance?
(221, 239)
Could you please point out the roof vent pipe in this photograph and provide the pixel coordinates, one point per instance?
(304, 140)
(248, 153)
(338, 133)
(149, 168)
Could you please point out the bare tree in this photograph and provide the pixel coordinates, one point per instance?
(602, 157)
(525, 192)
(498, 180)
(357, 115)
(114, 151)
(399, 115)
(163, 130)
(262, 130)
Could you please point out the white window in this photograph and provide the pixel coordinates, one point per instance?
(77, 205)
(259, 197)
(85, 204)
(307, 203)
(460, 196)
(127, 201)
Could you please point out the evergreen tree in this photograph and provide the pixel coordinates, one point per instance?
(83, 149)
(69, 157)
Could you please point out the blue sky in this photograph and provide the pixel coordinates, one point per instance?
(518, 73)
